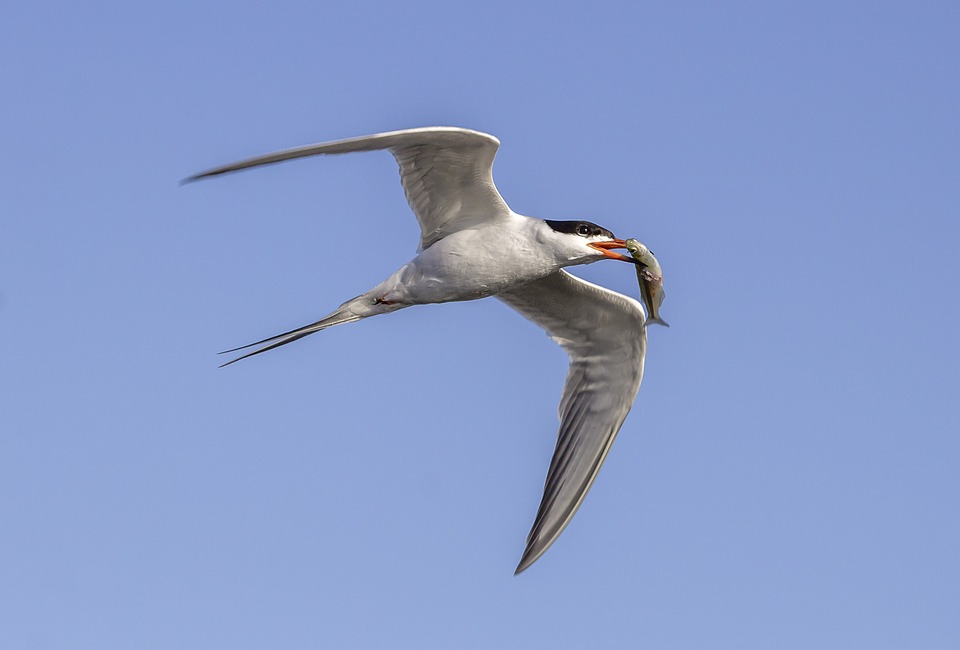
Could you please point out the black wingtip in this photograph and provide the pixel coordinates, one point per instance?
(528, 559)
(194, 178)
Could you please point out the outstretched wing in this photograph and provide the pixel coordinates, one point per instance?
(446, 173)
(602, 332)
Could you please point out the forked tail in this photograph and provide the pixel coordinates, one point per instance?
(350, 311)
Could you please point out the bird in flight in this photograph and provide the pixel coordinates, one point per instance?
(472, 245)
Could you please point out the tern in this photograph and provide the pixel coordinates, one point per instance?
(472, 245)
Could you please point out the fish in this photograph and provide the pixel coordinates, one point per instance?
(650, 277)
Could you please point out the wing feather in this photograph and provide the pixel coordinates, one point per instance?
(446, 173)
(602, 332)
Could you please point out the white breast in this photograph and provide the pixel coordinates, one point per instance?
(473, 263)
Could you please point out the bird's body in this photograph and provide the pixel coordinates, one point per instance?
(473, 246)
(470, 264)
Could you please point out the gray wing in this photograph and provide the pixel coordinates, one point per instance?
(446, 173)
(602, 332)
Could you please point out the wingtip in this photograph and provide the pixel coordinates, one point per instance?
(195, 177)
(530, 555)
(524, 564)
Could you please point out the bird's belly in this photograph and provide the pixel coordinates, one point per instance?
(461, 267)
(462, 281)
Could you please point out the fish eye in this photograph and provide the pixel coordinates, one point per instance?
(583, 229)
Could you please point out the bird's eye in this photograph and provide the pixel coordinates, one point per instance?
(583, 229)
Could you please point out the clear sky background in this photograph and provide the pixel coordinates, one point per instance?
(789, 476)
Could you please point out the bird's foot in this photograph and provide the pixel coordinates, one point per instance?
(381, 301)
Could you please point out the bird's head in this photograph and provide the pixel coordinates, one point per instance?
(583, 242)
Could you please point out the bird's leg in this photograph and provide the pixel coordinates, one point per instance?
(382, 301)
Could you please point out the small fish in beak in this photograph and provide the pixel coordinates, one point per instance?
(650, 277)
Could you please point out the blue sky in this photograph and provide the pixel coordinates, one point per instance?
(789, 474)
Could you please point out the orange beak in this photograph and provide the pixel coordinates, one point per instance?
(606, 247)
